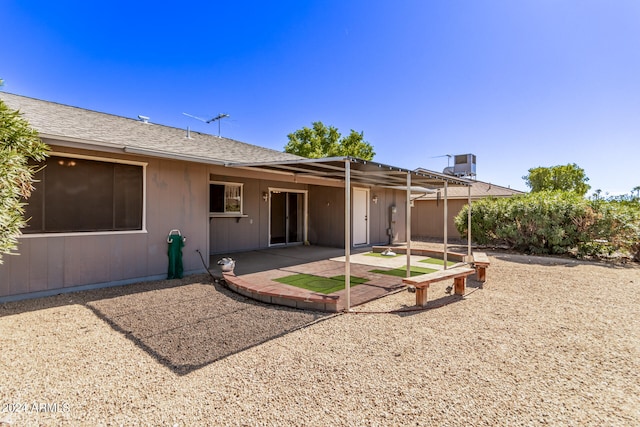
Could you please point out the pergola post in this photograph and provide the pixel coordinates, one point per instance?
(469, 226)
(408, 224)
(347, 233)
(446, 222)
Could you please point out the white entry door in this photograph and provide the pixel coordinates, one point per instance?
(360, 216)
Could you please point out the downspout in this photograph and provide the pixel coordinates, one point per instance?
(347, 233)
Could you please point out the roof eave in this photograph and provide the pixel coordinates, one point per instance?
(84, 143)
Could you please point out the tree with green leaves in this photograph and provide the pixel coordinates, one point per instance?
(322, 141)
(568, 177)
(597, 195)
(18, 144)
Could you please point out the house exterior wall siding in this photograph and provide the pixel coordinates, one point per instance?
(427, 218)
(175, 199)
(380, 221)
(326, 216)
(326, 212)
(227, 235)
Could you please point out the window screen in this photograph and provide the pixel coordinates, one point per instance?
(80, 195)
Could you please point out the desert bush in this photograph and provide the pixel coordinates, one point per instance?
(554, 223)
(617, 228)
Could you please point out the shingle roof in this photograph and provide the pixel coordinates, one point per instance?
(479, 189)
(66, 123)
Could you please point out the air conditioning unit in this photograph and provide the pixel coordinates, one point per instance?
(464, 165)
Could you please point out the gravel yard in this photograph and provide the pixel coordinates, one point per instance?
(544, 341)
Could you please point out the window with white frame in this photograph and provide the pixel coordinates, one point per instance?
(225, 198)
(74, 194)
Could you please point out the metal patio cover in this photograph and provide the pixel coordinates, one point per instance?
(361, 172)
(352, 170)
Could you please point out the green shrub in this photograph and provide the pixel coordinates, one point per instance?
(617, 228)
(18, 143)
(555, 223)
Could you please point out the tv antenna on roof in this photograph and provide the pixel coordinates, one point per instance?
(214, 119)
(448, 156)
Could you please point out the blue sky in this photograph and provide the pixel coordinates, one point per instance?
(520, 84)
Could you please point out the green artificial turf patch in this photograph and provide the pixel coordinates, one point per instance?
(437, 261)
(379, 255)
(324, 285)
(402, 271)
(354, 280)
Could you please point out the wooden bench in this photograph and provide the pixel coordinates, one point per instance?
(422, 282)
(481, 263)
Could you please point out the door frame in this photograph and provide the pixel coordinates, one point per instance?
(367, 215)
(305, 215)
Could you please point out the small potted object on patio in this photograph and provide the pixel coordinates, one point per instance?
(227, 265)
(388, 252)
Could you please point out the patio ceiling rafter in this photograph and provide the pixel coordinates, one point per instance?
(360, 171)
(304, 171)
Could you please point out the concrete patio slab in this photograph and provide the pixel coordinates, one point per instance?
(255, 273)
(388, 262)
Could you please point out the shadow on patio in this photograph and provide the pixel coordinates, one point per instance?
(280, 257)
(196, 322)
(189, 323)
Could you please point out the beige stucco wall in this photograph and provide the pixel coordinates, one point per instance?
(174, 199)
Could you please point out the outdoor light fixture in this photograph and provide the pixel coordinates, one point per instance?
(375, 198)
(265, 196)
(68, 163)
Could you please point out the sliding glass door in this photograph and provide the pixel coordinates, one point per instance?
(287, 213)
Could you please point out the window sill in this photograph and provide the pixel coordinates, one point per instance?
(80, 233)
(227, 215)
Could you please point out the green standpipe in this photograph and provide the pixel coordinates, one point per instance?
(176, 242)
